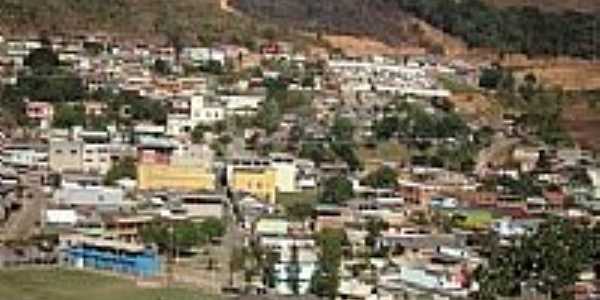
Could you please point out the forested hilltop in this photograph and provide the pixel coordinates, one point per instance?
(519, 29)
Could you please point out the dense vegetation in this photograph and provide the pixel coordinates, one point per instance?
(514, 29)
(548, 261)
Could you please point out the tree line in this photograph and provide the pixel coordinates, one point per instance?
(521, 29)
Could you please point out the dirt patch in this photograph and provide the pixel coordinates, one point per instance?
(478, 108)
(569, 73)
(582, 123)
(360, 46)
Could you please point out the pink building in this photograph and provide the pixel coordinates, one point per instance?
(40, 112)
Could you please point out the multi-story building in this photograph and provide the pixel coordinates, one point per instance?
(65, 156)
(188, 112)
(25, 156)
(81, 251)
(286, 172)
(254, 176)
(177, 177)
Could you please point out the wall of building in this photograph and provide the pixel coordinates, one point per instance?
(65, 156)
(259, 182)
(155, 177)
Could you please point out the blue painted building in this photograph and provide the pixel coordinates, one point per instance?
(101, 254)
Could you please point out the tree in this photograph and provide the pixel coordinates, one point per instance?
(42, 58)
(387, 127)
(374, 227)
(337, 190)
(237, 261)
(213, 227)
(174, 238)
(490, 78)
(124, 168)
(342, 130)
(162, 67)
(548, 261)
(68, 115)
(325, 281)
(384, 177)
(299, 210)
(269, 115)
(198, 133)
(212, 67)
(315, 151)
(346, 152)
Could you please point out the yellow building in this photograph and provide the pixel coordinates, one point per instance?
(258, 181)
(156, 177)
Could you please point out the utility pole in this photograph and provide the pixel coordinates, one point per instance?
(170, 254)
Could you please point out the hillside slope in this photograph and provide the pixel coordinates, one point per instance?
(189, 20)
(551, 5)
(379, 19)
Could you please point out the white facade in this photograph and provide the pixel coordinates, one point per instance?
(24, 157)
(286, 172)
(292, 252)
(594, 174)
(96, 158)
(200, 112)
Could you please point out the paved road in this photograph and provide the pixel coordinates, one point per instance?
(23, 224)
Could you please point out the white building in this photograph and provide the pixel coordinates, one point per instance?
(198, 110)
(297, 261)
(200, 55)
(286, 172)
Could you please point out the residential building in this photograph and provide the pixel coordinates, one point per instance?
(25, 156)
(98, 197)
(65, 156)
(200, 206)
(178, 177)
(40, 113)
(286, 172)
(85, 252)
(254, 176)
(296, 262)
(188, 112)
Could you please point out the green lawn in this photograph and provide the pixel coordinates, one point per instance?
(62, 284)
(286, 199)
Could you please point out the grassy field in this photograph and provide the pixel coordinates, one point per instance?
(61, 284)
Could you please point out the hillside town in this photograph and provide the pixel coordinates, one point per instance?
(286, 172)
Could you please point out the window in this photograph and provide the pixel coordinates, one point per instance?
(58, 151)
(74, 152)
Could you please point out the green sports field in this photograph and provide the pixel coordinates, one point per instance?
(62, 284)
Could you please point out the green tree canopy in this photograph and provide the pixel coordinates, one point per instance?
(384, 177)
(548, 261)
(326, 281)
(42, 58)
(68, 115)
(124, 168)
(337, 190)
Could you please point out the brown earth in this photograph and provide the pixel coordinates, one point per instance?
(582, 123)
(360, 46)
(569, 73)
(477, 107)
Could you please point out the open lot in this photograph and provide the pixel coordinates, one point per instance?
(62, 284)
